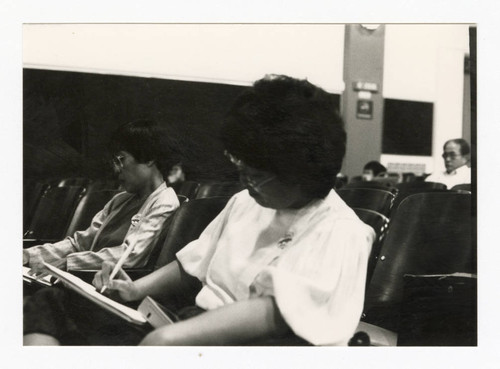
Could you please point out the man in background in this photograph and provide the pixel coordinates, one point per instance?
(456, 155)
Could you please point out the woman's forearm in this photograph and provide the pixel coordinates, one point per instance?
(161, 283)
(237, 323)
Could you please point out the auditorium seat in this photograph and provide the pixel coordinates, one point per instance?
(186, 188)
(214, 189)
(90, 204)
(409, 188)
(368, 198)
(388, 186)
(53, 214)
(379, 223)
(33, 195)
(104, 184)
(462, 187)
(74, 181)
(430, 233)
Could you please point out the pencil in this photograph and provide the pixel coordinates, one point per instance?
(118, 265)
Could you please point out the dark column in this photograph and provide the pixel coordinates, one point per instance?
(363, 62)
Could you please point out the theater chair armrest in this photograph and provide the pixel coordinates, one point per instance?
(378, 336)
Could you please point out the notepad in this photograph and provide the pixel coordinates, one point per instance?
(89, 291)
(46, 281)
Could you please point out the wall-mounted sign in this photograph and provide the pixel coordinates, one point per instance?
(365, 86)
(364, 109)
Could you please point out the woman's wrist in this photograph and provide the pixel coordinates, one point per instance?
(134, 294)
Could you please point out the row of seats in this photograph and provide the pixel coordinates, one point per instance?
(372, 194)
(427, 233)
(59, 208)
(382, 203)
(386, 185)
(390, 179)
(35, 191)
(201, 190)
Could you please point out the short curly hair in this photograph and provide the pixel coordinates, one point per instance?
(288, 127)
(146, 140)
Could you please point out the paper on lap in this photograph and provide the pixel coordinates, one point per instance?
(89, 291)
(46, 281)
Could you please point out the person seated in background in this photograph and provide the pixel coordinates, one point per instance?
(286, 255)
(133, 218)
(456, 155)
(176, 175)
(372, 170)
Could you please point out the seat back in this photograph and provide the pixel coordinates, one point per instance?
(368, 198)
(214, 189)
(430, 233)
(462, 187)
(53, 213)
(187, 224)
(379, 223)
(34, 194)
(409, 188)
(74, 181)
(104, 184)
(157, 247)
(186, 188)
(382, 185)
(89, 205)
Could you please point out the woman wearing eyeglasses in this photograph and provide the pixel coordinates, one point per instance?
(132, 218)
(286, 255)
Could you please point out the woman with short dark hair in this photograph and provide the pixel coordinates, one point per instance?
(134, 218)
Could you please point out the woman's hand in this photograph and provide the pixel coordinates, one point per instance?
(121, 283)
(36, 263)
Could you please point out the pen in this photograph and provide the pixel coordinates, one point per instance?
(118, 265)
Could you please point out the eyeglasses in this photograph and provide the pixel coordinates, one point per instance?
(450, 155)
(117, 162)
(254, 184)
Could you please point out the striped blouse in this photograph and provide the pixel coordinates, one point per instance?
(84, 250)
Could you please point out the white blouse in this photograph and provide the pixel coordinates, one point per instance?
(312, 260)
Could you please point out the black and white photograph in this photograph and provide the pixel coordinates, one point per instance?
(250, 193)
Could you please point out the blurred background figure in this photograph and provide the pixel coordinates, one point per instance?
(373, 169)
(176, 174)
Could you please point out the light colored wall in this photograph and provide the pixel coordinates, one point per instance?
(237, 54)
(425, 63)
